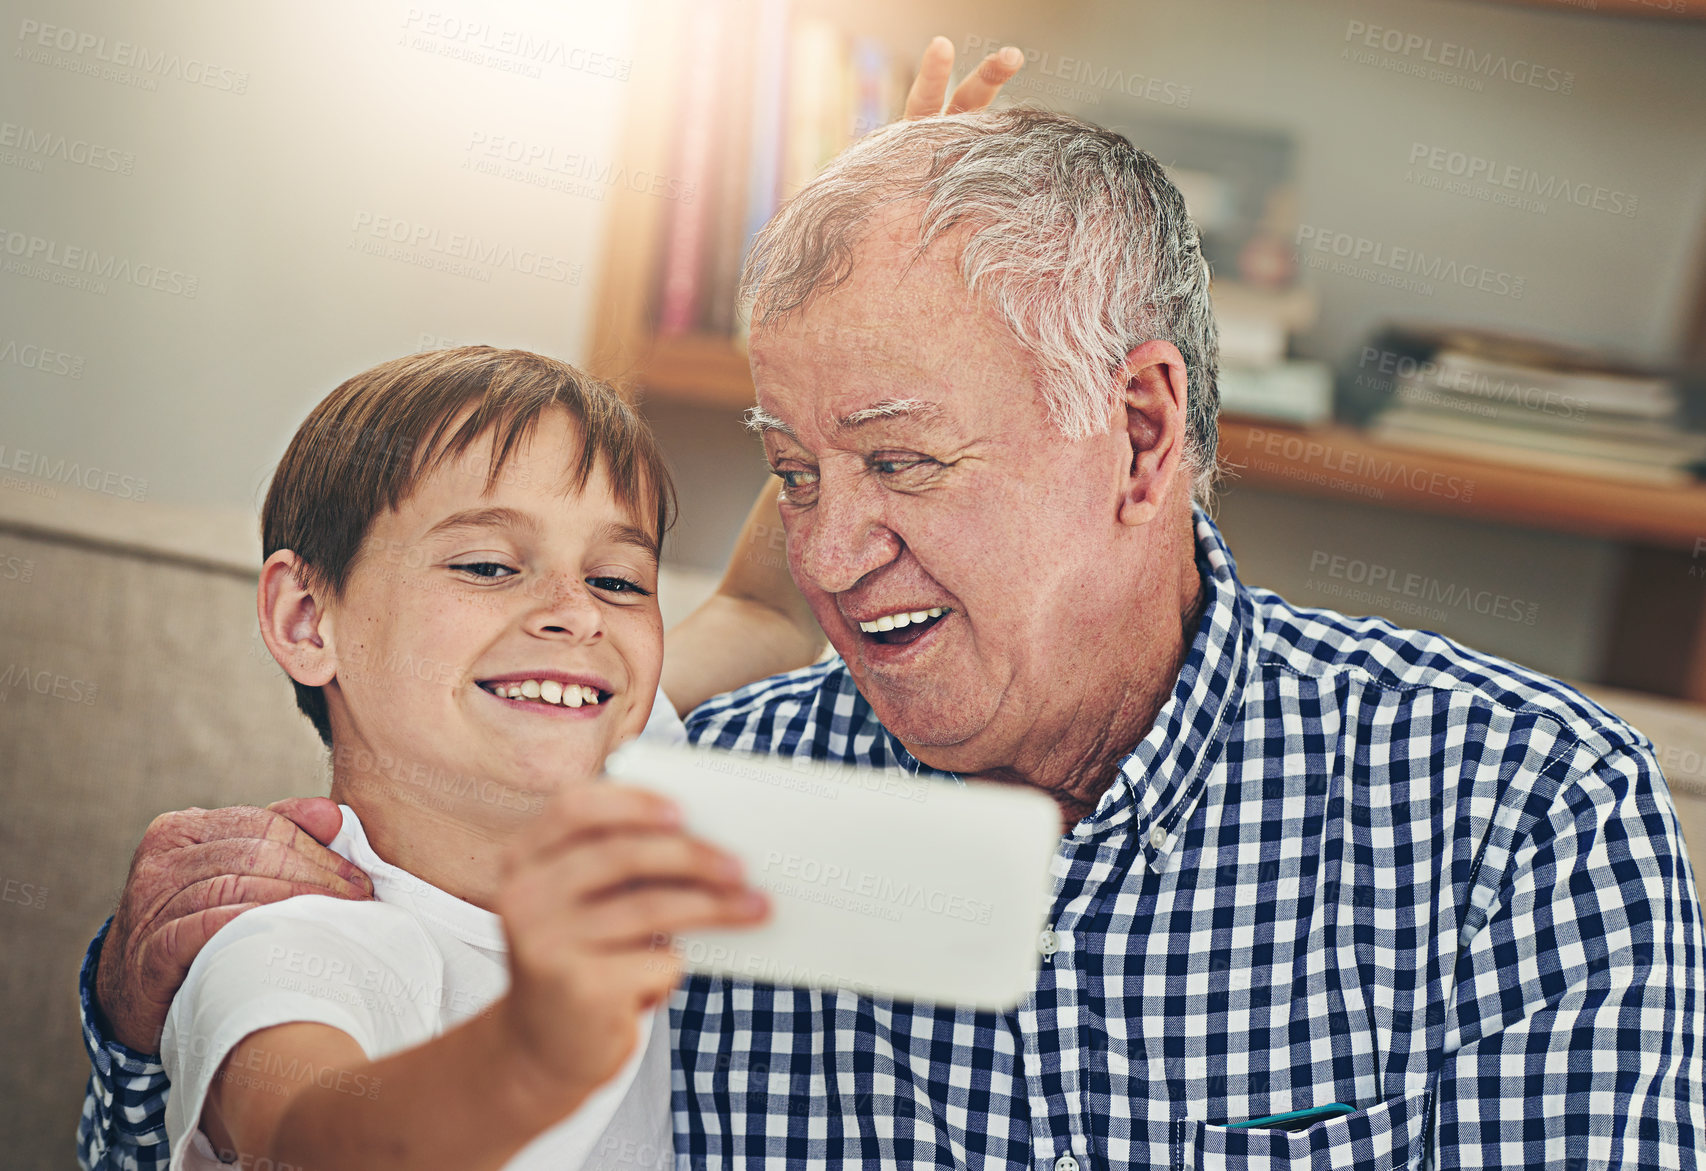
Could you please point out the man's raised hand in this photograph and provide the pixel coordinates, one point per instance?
(194, 871)
(936, 67)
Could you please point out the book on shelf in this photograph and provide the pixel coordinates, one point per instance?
(1293, 391)
(1531, 404)
(727, 213)
(781, 95)
(682, 285)
(1661, 462)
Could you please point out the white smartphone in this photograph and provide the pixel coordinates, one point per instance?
(881, 883)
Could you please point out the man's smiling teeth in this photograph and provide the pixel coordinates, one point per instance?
(903, 618)
(548, 691)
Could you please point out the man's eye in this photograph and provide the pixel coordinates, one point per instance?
(619, 585)
(895, 465)
(798, 484)
(490, 569)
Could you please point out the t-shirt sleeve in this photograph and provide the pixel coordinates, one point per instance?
(365, 969)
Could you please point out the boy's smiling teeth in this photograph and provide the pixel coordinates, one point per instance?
(901, 618)
(546, 691)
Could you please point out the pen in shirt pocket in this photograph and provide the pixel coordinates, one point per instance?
(1297, 1119)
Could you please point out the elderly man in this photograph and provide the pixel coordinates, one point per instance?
(1306, 859)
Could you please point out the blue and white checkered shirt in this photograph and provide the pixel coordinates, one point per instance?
(1349, 863)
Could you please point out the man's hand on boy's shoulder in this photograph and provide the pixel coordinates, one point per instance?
(194, 871)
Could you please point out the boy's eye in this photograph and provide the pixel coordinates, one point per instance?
(618, 585)
(493, 569)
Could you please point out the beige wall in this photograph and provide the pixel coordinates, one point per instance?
(352, 120)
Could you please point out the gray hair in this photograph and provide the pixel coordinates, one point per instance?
(1078, 241)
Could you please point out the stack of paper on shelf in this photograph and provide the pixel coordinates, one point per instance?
(1257, 380)
(1516, 401)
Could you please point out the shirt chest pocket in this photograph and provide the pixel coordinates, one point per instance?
(1390, 1135)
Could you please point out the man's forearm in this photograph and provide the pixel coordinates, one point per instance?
(755, 625)
(123, 1124)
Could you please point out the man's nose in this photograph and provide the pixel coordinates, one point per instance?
(565, 609)
(844, 538)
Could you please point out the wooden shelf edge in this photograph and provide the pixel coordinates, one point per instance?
(1338, 462)
(703, 369)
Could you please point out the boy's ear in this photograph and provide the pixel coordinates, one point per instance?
(295, 624)
(1151, 412)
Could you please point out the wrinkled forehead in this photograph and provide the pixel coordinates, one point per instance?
(901, 329)
(875, 296)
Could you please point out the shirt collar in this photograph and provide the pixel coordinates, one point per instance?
(394, 885)
(1161, 779)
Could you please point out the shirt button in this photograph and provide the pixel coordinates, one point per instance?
(1066, 1163)
(1158, 836)
(1048, 943)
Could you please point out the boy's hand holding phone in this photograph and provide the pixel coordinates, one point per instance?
(589, 891)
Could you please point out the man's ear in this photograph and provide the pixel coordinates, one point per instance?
(1152, 412)
(295, 623)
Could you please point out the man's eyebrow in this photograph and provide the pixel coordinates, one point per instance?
(760, 420)
(625, 534)
(485, 518)
(889, 408)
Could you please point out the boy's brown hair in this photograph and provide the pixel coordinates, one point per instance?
(368, 444)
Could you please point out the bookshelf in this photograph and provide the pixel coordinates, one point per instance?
(1340, 462)
(1656, 633)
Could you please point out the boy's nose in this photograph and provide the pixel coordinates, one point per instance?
(566, 610)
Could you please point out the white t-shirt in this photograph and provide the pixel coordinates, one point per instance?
(391, 973)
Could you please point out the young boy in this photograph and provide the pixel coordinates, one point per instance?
(460, 579)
